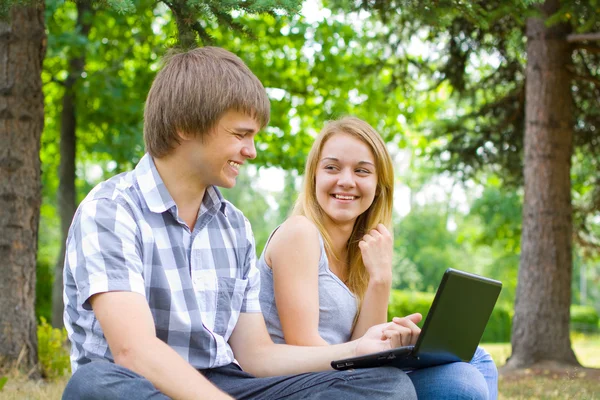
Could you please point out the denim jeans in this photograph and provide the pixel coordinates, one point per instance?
(107, 381)
(483, 362)
(475, 380)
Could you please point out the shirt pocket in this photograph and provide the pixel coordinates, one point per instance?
(230, 296)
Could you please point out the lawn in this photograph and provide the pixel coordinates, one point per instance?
(573, 384)
(547, 384)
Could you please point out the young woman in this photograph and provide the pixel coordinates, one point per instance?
(326, 272)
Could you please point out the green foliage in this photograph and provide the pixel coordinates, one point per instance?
(196, 19)
(498, 329)
(315, 72)
(584, 319)
(499, 326)
(405, 273)
(121, 53)
(121, 6)
(5, 6)
(497, 213)
(52, 351)
(407, 302)
(500, 213)
(288, 196)
(3, 380)
(423, 240)
(404, 302)
(43, 290)
(253, 203)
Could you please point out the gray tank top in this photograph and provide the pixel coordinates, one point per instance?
(337, 304)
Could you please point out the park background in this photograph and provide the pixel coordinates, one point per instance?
(489, 108)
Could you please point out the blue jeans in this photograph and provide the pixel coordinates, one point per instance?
(475, 380)
(483, 362)
(108, 381)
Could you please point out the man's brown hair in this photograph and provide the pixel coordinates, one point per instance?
(193, 90)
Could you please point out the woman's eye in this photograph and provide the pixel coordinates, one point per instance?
(363, 171)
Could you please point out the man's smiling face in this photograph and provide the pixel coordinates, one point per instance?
(217, 157)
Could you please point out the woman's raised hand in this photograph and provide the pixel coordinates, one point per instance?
(376, 248)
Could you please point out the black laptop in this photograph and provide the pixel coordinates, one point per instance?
(452, 330)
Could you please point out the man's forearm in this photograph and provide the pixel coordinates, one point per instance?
(168, 372)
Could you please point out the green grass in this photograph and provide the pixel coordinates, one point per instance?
(19, 388)
(586, 347)
(546, 384)
(549, 387)
(541, 385)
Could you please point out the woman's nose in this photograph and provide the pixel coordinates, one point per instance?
(346, 178)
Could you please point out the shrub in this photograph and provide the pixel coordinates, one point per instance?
(499, 326)
(407, 302)
(584, 319)
(52, 352)
(43, 290)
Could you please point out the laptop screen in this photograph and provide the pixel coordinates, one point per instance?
(458, 315)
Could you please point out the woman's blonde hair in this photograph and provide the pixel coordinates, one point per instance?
(380, 210)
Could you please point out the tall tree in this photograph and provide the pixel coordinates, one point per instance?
(22, 48)
(541, 321)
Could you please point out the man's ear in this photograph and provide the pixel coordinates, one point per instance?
(183, 136)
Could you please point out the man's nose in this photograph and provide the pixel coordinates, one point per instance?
(249, 150)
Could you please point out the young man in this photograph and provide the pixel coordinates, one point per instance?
(161, 288)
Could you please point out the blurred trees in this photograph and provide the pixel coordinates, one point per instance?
(96, 74)
(253, 202)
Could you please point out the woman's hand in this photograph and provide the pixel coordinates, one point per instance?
(376, 248)
(382, 337)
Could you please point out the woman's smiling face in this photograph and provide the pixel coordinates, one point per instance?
(346, 179)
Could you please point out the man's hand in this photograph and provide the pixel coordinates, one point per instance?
(376, 248)
(399, 332)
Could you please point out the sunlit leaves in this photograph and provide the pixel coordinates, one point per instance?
(121, 6)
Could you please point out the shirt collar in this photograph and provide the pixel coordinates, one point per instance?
(156, 195)
(213, 199)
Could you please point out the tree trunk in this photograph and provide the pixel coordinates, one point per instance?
(22, 48)
(541, 323)
(67, 202)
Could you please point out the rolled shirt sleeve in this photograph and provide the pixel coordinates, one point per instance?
(103, 252)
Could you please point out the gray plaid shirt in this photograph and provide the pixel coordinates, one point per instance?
(126, 236)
